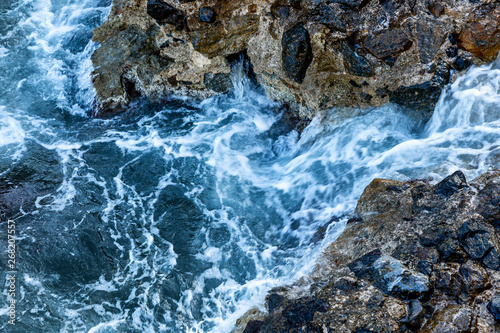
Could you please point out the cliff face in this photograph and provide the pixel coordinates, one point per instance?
(311, 54)
(417, 257)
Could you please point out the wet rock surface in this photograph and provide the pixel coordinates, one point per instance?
(306, 54)
(418, 257)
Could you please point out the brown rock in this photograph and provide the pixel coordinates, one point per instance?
(387, 43)
(481, 34)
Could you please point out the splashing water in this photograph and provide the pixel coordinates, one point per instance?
(182, 218)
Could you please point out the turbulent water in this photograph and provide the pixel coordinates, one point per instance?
(179, 216)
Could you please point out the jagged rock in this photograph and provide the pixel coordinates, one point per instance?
(253, 326)
(417, 315)
(356, 4)
(452, 319)
(355, 64)
(477, 238)
(387, 43)
(489, 200)
(164, 13)
(451, 184)
(447, 279)
(451, 251)
(297, 53)
(304, 53)
(436, 9)
(274, 301)
(409, 262)
(421, 97)
(218, 82)
(494, 307)
(303, 310)
(430, 37)
(474, 277)
(390, 275)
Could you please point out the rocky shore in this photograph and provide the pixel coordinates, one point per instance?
(311, 55)
(415, 257)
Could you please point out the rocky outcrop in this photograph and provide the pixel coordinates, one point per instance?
(310, 54)
(415, 257)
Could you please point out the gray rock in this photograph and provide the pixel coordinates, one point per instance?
(207, 15)
(297, 52)
(494, 307)
(451, 184)
(219, 82)
(474, 277)
(476, 239)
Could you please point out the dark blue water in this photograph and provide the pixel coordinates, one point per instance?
(179, 216)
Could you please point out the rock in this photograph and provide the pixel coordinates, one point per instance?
(474, 277)
(274, 301)
(304, 53)
(379, 197)
(477, 239)
(451, 251)
(451, 319)
(494, 307)
(451, 184)
(207, 15)
(253, 326)
(218, 82)
(417, 313)
(252, 320)
(387, 43)
(461, 64)
(430, 37)
(164, 13)
(489, 200)
(491, 260)
(303, 310)
(436, 9)
(452, 52)
(481, 33)
(333, 18)
(447, 278)
(355, 4)
(390, 275)
(297, 53)
(362, 266)
(420, 97)
(356, 64)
